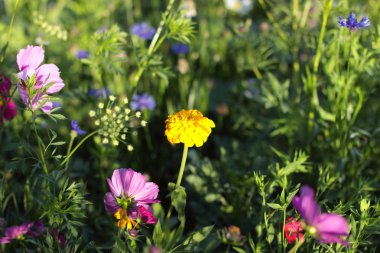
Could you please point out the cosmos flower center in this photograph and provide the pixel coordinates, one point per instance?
(312, 231)
(125, 202)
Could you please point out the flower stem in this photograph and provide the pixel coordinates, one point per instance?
(72, 137)
(326, 12)
(182, 168)
(180, 175)
(76, 147)
(40, 148)
(298, 245)
(154, 44)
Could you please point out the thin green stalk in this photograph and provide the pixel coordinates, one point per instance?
(326, 12)
(295, 48)
(180, 175)
(40, 148)
(155, 43)
(72, 137)
(77, 146)
(298, 245)
(2, 57)
(182, 168)
(283, 230)
(12, 19)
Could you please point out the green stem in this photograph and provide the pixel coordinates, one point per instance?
(2, 57)
(180, 175)
(72, 137)
(283, 231)
(153, 47)
(326, 12)
(40, 147)
(298, 245)
(182, 168)
(77, 146)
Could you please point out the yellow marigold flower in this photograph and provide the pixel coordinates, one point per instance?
(189, 127)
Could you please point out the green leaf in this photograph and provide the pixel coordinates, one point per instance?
(178, 197)
(198, 236)
(239, 250)
(275, 206)
(158, 235)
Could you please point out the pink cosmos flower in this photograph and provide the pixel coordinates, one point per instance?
(37, 81)
(293, 230)
(325, 227)
(8, 109)
(130, 197)
(15, 232)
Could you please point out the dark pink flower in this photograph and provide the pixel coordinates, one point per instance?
(37, 229)
(60, 237)
(325, 227)
(293, 230)
(142, 215)
(37, 81)
(8, 109)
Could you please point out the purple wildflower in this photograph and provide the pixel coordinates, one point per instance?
(100, 93)
(352, 23)
(82, 54)
(179, 48)
(15, 232)
(143, 30)
(143, 101)
(37, 81)
(75, 128)
(325, 227)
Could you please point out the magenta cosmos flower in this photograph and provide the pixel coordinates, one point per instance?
(325, 227)
(15, 232)
(37, 81)
(129, 198)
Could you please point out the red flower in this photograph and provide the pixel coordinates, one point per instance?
(293, 230)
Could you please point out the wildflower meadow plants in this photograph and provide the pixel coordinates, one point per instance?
(274, 105)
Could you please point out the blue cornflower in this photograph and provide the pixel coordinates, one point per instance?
(75, 128)
(100, 93)
(352, 23)
(143, 101)
(143, 30)
(82, 54)
(179, 48)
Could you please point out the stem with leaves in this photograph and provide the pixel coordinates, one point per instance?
(326, 11)
(155, 43)
(42, 156)
(76, 147)
(180, 175)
